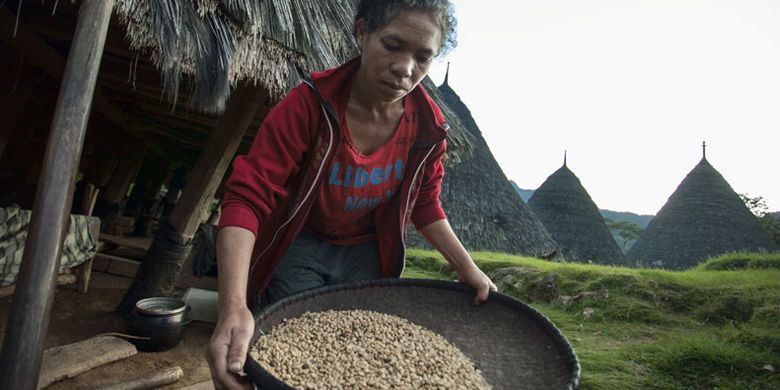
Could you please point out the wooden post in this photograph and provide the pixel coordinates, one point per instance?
(28, 321)
(214, 159)
(130, 160)
(157, 275)
(108, 162)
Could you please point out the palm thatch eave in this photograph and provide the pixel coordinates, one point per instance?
(211, 46)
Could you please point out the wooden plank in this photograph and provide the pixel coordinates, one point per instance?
(67, 361)
(28, 320)
(123, 267)
(142, 244)
(118, 265)
(100, 263)
(149, 381)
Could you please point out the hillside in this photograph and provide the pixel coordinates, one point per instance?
(650, 329)
(640, 220)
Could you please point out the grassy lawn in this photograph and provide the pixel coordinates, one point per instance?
(713, 327)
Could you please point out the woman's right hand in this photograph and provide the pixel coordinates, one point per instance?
(228, 348)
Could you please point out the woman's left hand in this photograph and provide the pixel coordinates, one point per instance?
(441, 236)
(474, 277)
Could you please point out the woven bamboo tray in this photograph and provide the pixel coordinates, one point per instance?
(514, 346)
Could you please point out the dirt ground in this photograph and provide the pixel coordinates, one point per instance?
(77, 317)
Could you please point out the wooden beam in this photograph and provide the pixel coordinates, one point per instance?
(158, 272)
(43, 56)
(171, 120)
(12, 106)
(215, 158)
(131, 156)
(53, 27)
(179, 140)
(157, 109)
(34, 49)
(28, 320)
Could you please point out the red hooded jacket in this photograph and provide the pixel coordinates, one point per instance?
(271, 189)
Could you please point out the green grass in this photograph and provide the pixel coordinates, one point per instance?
(713, 327)
(741, 261)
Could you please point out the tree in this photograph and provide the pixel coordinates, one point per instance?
(756, 205)
(627, 231)
(772, 226)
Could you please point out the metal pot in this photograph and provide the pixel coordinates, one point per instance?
(161, 321)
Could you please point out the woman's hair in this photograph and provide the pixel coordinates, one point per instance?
(377, 13)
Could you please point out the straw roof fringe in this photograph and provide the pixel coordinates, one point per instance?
(222, 43)
(218, 44)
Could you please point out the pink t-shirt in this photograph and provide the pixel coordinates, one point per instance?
(356, 184)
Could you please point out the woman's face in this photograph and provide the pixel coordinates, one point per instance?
(397, 56)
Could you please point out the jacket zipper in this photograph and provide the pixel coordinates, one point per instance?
(308, 193)
(404, 210)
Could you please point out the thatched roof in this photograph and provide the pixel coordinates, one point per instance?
(481, 205)
(214, 45)
(704, 217)
(573, 219)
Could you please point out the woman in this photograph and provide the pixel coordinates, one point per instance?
(336, 173)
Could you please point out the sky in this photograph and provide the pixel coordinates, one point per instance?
(629, 88)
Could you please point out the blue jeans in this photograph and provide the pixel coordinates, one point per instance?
(311, 263)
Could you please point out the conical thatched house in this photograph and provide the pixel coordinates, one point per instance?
(569, 214)
(484, 210)
(704, 217)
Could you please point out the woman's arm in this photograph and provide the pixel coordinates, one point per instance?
(441, 236)
(230, 340)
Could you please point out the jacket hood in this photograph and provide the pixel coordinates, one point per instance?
(329, 82)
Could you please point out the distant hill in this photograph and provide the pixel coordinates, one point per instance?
(640, 220)
(524, 194)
